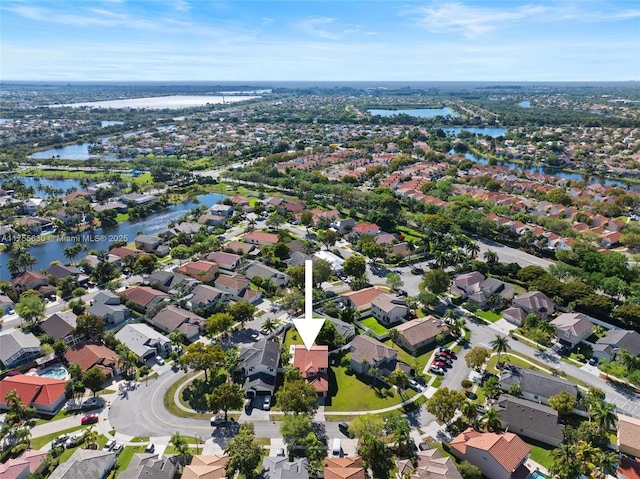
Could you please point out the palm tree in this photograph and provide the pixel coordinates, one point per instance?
(490, 256)
(394, 335)
(491, 419)
(605, 463)
(469, 410)
(269, 325)
(500, 345)
(458, 327)
(473, 249)
(627, 359)
(91, 437)
(603, 415)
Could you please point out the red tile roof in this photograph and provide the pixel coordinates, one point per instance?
(33, 389)
(87, 355)
(506, 448)
(313, 365)
(143, 295)
(362, 298)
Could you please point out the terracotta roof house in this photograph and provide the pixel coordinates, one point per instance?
(123, 251)
(46, 395)
(201, 270)
(571, 328)
(260, 238)
(237, 287)
(18, 347)
(367, 352)
(389, 309)
(365, 228)
(361, 300)
(173, 318)
(91, 354)
(536, 386)
(343, 468)
(629, 435)
(418, 334)
(211, 220)
(535, 302)
(530, 419)
(628, 468)
(206, 467)
(225, 261)
(60, 326)
(258, 367)
(615, 340)
(25, 465)
(170, 282)
(29, 280)
(430, 464)
(85, 463)
(144, 297)
(145, 342)
(313, 366)
(147, 465)
(498, 455)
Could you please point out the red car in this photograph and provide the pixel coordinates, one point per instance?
(439, 364)
(89, 419)
(445, 355)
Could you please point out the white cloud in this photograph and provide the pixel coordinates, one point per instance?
(313, 27)
(182, 5)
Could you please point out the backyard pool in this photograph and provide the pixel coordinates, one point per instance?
(54, 372)
(537, 475)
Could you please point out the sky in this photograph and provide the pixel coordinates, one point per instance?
(319, 40)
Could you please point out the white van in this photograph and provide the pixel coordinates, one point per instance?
(336, 450)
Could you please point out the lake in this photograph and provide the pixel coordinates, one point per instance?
(105, 123)
(525, 104)
(100, 238)
(172, 102)
(417, 112)
(492, 132)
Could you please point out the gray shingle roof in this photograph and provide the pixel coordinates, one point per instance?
(83, 464)
(263, 352)
(535, 383)
(519, 413)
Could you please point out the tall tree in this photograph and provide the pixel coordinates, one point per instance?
(491, 419)
(181, 445)
(226, 396)
(435, 281)
(294, 429)
(563, 402)
(500, 345)
(94, 379)
(444, 404)
(297, 396)
(245, 454)
(30, 306)
(202, 357)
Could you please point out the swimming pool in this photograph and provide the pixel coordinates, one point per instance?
(537, 475)
(55, 372)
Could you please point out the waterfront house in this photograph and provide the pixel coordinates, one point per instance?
(60, 271)
(151, 244)
(29, 280)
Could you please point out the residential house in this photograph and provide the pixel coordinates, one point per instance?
(91, 355)
(258, 367)
(46, 395)
(535, 302)
(498, 455)
(418, 334)
(18, 347)
(344, 226)
(536, 386)
(281, 468)
(335, 261)
(85, 463)
(144, 297)
(6, 304)
(514, 315)
(29, 280)
(60, 271)
(225, 261)
(26, 464)
(31, 205)
(221, 210)
(571, 328)
(123, 252)
(278, 278)
(237, 287)
(148, 465)
(481, 290)
(60, 326)
(365, 229)
(313, 365)
(171, 283)
(201, 270)
(145, 342)
(151, 244)
(616, 340)
(628, 468)
(629, 435)
(530, 419)
(260, 238)
(343, 468)
(467, 283)
(205, 297)
(106, 305)
(211, 466)
(184, 228)
(389, 309)
(346, 330)
(173, 318)
(138, 199)
(211, 220)
(241, 248)
(367, 352)
(361, 300)
(92, 261)
(429, 464)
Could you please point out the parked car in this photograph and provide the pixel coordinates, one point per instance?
(593, 361)
(423, 446)
(117, 447)
(417, 271)
(437, 370)
(442, 349)
(414, 385)
(89, 419)
(160, 360)
(92, 402)
(216, 420)
(344, 427)
(109, 445)
(74, 440)
(267, 403)
(150, 448)
(280, 452)
(60, 440)
(439, 364)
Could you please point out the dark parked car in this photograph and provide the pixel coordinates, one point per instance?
(344, 427)
(417, 271)
(593, 361)
(423, 446)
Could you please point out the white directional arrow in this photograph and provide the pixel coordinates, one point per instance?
(308, 327)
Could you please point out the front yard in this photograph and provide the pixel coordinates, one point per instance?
(489, 315)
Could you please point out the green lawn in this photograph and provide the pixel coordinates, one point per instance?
(540, 452)
(373, 324)
(515, 359)
(61, 414)
(418, 362)
(38, 442)
(120, 217)
(292, 337)
(126, 455)
(349, 393)
(490, 316)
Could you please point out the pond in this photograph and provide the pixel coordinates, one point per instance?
(492, 132)
(417, 112)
